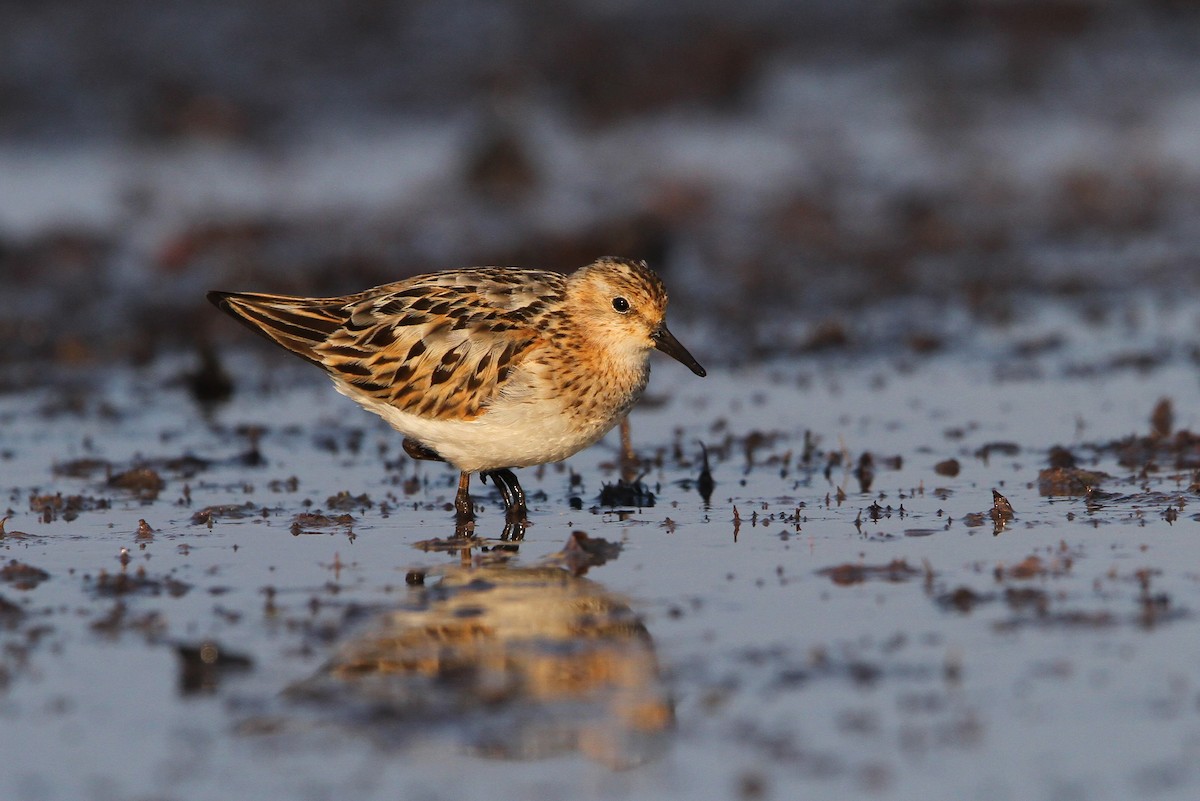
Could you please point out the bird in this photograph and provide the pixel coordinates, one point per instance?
(486, 368)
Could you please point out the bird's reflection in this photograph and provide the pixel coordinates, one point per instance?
(512, 662)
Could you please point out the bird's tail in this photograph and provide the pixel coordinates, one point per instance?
(298, 324)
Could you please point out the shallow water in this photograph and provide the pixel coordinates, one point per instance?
(927, 233)
(775, 642)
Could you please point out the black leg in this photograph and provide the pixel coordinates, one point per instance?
(515, 510)
(464, 511)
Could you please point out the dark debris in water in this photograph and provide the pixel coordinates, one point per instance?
(22, 576)
(626, 495)
(1162, 419)
(345, 501)
(240, 511)
(321, 520)
(990, 449)
(1000, 515)
(1179, 451)
(1035, 567)
(963, 599)
(120, 618)
(139, 582)
(83, 468)
(1165, 447)
(947, 467)
(9, 612)
(4, 532)
(705, 483)
(1031, 603)
(203, 665)
(846, 574)
(1149, 613)
(68, 507)
(310, 522)
(1068, 481)
(209, 384)
(143, 482)
(1001, 511)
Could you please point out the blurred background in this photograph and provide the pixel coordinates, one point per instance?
(814, 175)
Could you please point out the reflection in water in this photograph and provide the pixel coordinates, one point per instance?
(517, 662)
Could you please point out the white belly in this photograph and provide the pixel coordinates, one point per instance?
(517, 434)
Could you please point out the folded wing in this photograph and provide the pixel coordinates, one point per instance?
(438, 346)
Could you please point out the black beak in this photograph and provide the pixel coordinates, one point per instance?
(665, 341)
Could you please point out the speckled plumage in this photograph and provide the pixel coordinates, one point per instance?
(487, 368)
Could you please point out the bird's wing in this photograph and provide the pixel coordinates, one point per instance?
(438, 346)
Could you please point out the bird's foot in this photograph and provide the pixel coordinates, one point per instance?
(418, 451)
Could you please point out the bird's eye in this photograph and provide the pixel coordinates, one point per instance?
(621, 305)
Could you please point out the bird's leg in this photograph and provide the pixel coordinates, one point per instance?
(463, 509)
(516, 515)
(515, 510)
